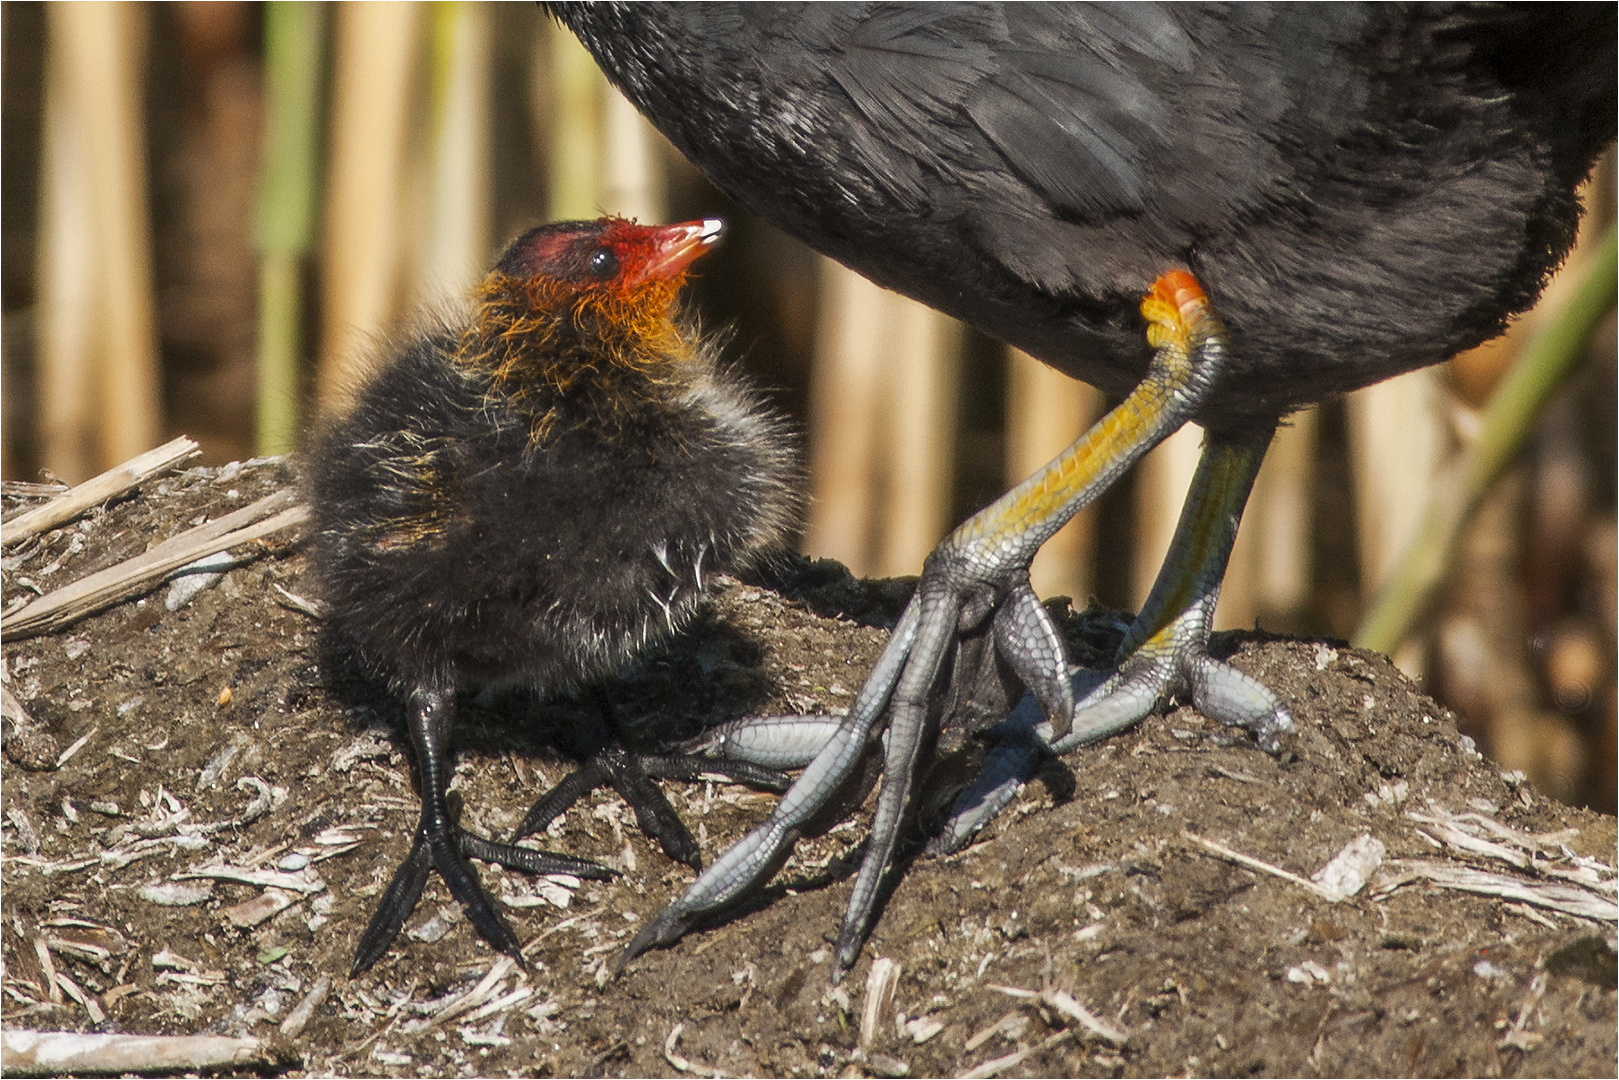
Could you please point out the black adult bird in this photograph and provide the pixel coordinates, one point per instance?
(1362, 190)
(532, 495)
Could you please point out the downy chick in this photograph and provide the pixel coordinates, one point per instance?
(534, 496)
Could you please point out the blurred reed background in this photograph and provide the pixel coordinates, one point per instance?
(210, 208)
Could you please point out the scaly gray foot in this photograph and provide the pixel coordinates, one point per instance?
(975, 582)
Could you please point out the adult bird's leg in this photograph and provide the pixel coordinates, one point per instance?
(1164, 652)
(440, 842)
(978, 574)
(1166, 648)
(630, 775)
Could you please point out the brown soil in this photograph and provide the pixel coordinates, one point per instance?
(1089, 884)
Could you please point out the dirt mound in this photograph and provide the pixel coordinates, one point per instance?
(234, 802)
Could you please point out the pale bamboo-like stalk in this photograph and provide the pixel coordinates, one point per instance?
(923, 373)
(632, 173)
(577, 97)
(1398, 440)
(67, 285)
(375, 46)
(459, 217)
(1162, 480)
(101, 47)
(1272, 552)
(845, 418)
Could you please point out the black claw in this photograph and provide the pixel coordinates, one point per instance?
(464, 887)
(652, 811)
(631, 776)
(532, 860)
(398, 901)
(556, 802)
(691, 767)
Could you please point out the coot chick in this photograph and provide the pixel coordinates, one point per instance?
(532, 495)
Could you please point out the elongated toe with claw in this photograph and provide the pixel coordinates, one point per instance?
(631, 774)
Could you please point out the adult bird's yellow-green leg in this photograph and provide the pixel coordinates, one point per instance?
(1164, 652)
(978, 576)
(1166, 649)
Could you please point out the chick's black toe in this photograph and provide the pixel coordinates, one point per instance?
(530, 495)
(631, 775)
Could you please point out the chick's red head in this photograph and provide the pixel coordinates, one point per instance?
(609, 255)
(581, 297)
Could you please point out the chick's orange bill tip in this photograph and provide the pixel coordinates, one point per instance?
(676, 247)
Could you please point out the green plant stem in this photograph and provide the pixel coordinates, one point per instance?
(294, 33)
(1548, 359)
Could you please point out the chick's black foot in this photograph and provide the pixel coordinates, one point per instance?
(975, 586)
(441, 843)
(631, 775)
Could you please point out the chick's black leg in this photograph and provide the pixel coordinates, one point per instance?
(976, 579)
(436, 843)
(631, 775)
(440, 842)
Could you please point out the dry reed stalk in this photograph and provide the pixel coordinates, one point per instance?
(459, 220)
(847, 384)
(100, 49)
(137, 575)
(68, 282)
(375, 49)
(923, 372)
(115, 481)
(576, 98)
(1162, 479)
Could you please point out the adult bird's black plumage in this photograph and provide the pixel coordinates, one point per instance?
(531, 494)
(1361, 189)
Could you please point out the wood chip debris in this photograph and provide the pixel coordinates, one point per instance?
(922, 1028)
(881, 983)
(59, 1053)
(136, 576)
(305, 881)
(682, 1063)
(554, 890)
(1346, 872)
(98, 489)
(1064, 1004)
(1331, 896)
(298, 1019)
(1565, 899)
(265, 906)
(490, 987)
(996, 1066)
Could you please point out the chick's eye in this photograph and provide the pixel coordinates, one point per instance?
(603, 263)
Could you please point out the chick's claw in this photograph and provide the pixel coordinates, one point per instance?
(631, 776)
